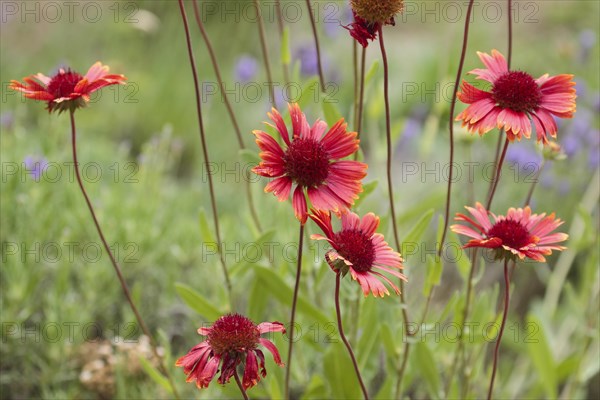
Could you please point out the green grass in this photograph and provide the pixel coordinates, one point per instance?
(154, 215)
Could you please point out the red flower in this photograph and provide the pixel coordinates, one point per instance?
(514, 99)
(518, 234)
(232, 340)
(311, 161)
(358, 249)
(67, 90)
(361, 30)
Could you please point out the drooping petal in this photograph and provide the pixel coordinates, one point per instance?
(251, 377)
(273, 349)
(281, 187)
(299, 204)
(208, 373)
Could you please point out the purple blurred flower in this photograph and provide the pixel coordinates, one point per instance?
(35, 165)
(581, 88)
(307, 54)
(587, 40)
(594, 157)
(596, 102)
(564, 187)
(6, 120)
(246, 68)
(571, 145)
(547, 179)
(523, 157)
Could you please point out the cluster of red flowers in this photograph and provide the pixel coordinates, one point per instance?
(313, 162)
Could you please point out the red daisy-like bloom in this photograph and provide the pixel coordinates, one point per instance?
(358, 249)
(311, 161)
(362, 31)
(67, 90)
(514, 99)
(232, 340)
(518, 234)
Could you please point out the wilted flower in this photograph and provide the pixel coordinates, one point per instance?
(231, 341)
(377, 11)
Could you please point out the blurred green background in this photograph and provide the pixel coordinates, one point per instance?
(152, 199)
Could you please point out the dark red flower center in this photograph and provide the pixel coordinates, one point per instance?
(306, 162)
(63, 83)
(512, 233)
(233, 333)
(518, 91)
(356, 247)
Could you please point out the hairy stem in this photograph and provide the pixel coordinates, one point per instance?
(293, 312)
(534, 184)
(341, 329)
(317, 46)
(499, 339)
(230, 112)
(451, 124)
(280, 28)
(113, 261)
(361, 96)
(207, 164)
(265, 52)
(388, 131)
(239, 383)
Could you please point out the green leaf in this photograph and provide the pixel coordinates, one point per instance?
(205, 232)
(249, 156)
(315, 389)
(463, 261)
(197, 302)
(372, 71)
(311, 93)
(416, 233)
(339, 373)
(425, 363)
(286, 56)
(155, 375)
(434, 273)
(387, 338)
(330, 111)
(540, 353)
(277, 287)
(368, 188)
(257, 301)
